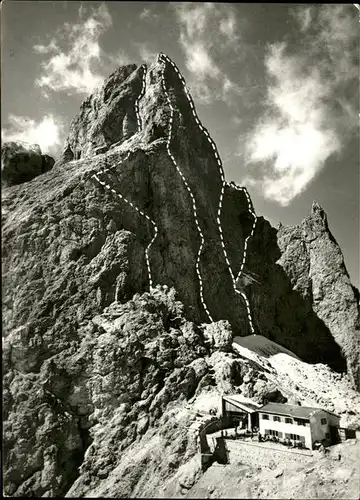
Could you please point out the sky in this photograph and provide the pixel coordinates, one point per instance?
(276, 85)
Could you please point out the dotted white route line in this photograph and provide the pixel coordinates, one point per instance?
(357, 6)
(203, 129)
(251, 210)
(107, 186)
(137, 112)
(187, 187)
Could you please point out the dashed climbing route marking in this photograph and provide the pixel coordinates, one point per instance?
(203, 129)
(139, 97)
(188, 188)
(107, 186)
(251, 210)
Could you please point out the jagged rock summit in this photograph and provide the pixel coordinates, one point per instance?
(21, 162)
(136, 207)
(149, 117)
(139, 198)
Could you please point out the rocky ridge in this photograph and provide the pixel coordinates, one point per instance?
(138, 201)
(117, 412)
(21, 162)
(158, 175)
(120, 376)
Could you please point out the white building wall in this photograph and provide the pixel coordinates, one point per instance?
(231, 407)
(321, 431)
(333, 420)
(301, 430)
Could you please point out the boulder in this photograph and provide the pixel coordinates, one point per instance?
(219, 335)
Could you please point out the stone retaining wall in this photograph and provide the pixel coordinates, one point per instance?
(258, 456)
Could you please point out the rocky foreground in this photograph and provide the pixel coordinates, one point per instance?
(332, 476)
(116, 413)
(129, 268)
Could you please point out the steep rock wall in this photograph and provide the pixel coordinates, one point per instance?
(21, 162)
(151, 206)
(96, 372)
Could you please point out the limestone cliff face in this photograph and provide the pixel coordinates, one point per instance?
(21, 162)
(138, 201)
(139, 198)
(300, 291)
(70, 418)
(314, 263)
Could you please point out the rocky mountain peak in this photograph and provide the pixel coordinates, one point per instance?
(316, 223)
(152, 175)
(106, 117)
(128, 269)
(111, 116)
(21, 162)
(317, 209)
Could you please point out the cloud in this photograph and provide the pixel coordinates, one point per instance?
(47, 133)
(75, 59)
(230, 91)
(304, 18)
(199, 60)
(312, 103)
(146, 54)
(148, 15)
(228, 26)
(208, 33)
